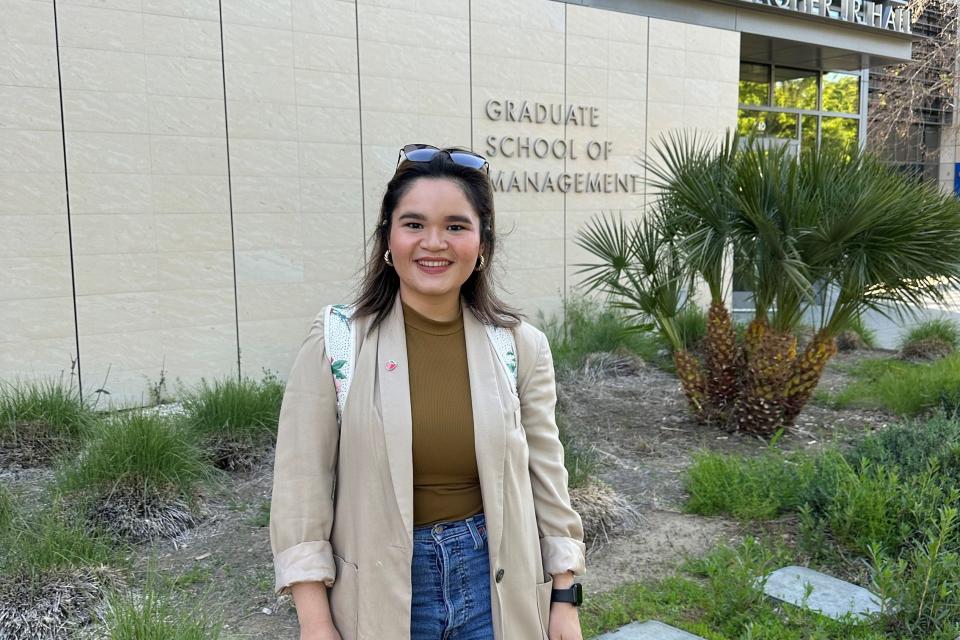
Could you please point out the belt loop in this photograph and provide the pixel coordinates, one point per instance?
(475, 532)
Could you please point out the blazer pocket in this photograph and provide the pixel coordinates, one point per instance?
(544, 592)
(344, 598)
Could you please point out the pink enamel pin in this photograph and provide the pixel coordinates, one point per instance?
(391, 365)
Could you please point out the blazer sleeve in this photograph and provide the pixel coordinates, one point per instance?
(560, 528)
(304, 469)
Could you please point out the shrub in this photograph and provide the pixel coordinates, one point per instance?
(691, 325)
(6, 508)
(586, 327)
(156, 614)
(40, 419)
(941, 329)
(921, 590)
(911, 446)
(52, 538)
(907, 389)
(856, 335)
(142, 454)
(236, 418)
(747, 487)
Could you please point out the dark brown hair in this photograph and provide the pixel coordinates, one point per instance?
(381, 283)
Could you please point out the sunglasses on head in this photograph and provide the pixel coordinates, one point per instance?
(426, 153)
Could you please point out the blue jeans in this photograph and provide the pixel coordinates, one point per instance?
(451, 581)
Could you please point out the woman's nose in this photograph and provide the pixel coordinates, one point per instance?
(434, 238)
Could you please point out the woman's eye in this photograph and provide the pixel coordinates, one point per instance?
(456, 227)
(412, 224)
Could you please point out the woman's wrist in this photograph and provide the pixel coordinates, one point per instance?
(563, 580)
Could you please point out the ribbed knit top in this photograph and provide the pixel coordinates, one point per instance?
(446, 483)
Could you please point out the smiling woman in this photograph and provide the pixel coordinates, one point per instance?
(437, 504)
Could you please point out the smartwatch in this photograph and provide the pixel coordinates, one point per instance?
(573, 595)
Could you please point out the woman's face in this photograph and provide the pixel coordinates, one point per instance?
(434, 242)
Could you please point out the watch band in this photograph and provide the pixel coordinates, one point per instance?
(572, 595)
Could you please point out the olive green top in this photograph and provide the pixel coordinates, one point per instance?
(446, 483)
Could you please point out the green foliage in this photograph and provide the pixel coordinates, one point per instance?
(721, 599)
(157, 614)
(581, 463)
(45, 408)
(748, 487)
(245, 410)
(6, 508)
(52, 538)
(592, 327)
(691, 325)
(141, 453)
(921, 589)
(904, 388)
(912, 445)
(942, 329)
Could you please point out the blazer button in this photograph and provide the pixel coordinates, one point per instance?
(499, 575)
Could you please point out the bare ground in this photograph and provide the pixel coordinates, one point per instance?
(637, 424)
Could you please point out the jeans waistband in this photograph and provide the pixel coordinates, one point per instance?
(449, 529)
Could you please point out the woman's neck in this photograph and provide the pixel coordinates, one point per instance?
(439, 310)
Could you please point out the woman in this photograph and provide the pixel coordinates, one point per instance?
(439, 507)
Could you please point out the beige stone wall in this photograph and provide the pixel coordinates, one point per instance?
(292, 122)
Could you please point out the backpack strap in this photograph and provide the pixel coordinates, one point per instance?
(506, 348)
(338, 339)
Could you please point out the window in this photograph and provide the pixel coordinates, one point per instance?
(754, 83)
(795, 88)
(841, 92)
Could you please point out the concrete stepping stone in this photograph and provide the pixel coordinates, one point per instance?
(651, 630)
(830, 596)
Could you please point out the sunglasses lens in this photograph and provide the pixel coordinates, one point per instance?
(468, 159)
(420, 155)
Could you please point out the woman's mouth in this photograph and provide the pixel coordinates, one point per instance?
(433, 266)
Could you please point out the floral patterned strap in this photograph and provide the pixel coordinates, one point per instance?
(338, 338)
(506, 349)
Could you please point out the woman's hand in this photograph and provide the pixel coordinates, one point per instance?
(564, 622)
(324, 631)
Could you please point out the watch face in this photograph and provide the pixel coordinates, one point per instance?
(577, 593)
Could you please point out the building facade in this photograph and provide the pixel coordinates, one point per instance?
(185, 183)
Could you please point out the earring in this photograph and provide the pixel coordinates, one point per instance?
(386, 257)
(482, 264)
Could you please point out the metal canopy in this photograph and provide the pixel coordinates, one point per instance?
(789, 53)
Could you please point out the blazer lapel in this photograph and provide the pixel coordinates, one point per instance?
(488, 421)
(394, 375)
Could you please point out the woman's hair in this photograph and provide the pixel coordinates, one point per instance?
(381, 283)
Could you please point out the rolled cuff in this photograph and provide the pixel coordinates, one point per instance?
(562, 554)
(304, 562)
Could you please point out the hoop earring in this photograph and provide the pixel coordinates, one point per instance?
(483, 263)
(386, 257)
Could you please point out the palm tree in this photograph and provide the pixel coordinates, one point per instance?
(831, 219)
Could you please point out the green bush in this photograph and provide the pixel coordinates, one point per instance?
(591, 327)
(6, 508)
(867, 335)
(748, 487)
(942, 329)
(691, 325)
(139, 453)
(911, 446)
(243, 410)
(907, 389)
(921, 589)
(156, 614)
(52, 538)
(43, 414)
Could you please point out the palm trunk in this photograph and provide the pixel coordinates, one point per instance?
(721, 360)
(769, 362)
(693, 382)
(806, 373)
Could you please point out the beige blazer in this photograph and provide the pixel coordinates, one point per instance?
(342, 510)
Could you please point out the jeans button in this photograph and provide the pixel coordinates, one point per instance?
(438, 529)
(499, 575)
